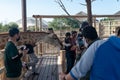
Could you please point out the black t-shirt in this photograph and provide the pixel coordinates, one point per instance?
(13, 67)
(67, 41)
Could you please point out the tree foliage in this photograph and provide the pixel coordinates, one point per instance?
(6, 27)
(106, 19)
(88, 6)
(62, 23)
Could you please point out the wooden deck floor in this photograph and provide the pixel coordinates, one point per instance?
(47, 68)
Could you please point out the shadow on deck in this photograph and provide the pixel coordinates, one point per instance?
(47, 68)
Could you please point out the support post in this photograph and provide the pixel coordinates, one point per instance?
(36, 24)
(24, 22)
(94, 22)
(62, 60)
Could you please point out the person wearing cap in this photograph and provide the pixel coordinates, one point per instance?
(83, 25)
(12, 57)
(82, 45)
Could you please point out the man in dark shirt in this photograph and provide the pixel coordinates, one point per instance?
(67, 44)
(12, 61)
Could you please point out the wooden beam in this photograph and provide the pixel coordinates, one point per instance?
(36, 24)
(74, 16)
(40, 28)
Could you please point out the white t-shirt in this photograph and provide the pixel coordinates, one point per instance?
(86, 61)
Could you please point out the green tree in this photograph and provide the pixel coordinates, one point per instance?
(6, 27)
(72, 22)
(54, 24)
(31, 28)
(1, 25)
(9, 25)
(88, 6)
(13, 24)
(62, 23)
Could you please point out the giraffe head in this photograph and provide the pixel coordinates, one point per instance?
(53, 40)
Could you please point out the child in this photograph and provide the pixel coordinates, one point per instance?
(32, 56)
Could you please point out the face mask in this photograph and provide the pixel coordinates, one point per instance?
(85, 43)
(18, 39)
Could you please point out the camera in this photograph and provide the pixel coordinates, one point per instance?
(23, 48)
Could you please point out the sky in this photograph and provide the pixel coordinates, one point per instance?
(11, 9)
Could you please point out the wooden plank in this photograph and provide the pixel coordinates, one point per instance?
(42, 68)
(46, 74)
(50, 72)
(55, 69)
(38, 69)
(59, 66)
(31, 76)
(47, 68)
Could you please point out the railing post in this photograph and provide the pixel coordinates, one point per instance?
(94, 21)
(2, 68)
(36, 24)
(62, 60)
(36, 49)
(41, 48)
(61, 63)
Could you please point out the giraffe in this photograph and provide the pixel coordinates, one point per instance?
(32, 38)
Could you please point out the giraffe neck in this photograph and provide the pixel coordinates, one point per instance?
(32, 37)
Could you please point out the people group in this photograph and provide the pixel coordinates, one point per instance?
(13, 54)
(87, 56)
(98, 59)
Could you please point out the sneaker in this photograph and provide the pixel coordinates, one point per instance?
(27, 74)
(35, 73)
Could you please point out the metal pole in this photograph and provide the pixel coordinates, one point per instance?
(24, 22)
